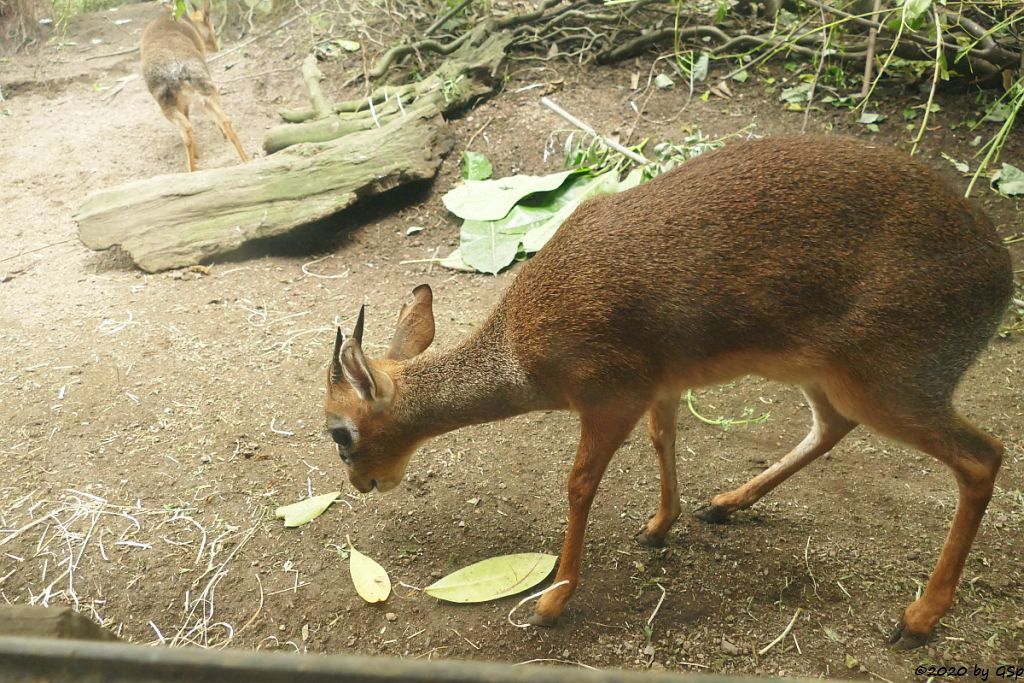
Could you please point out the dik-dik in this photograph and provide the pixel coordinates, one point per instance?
(838, 266)
(174, 66)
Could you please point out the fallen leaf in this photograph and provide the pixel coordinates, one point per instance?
(306, 510)
(369, 578)
(490, 200)
(1009, 181)
(493, 578)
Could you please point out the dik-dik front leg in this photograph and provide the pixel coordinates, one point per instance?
(602, 431)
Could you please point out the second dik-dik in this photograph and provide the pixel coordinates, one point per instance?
(174, 67)
(838, 266)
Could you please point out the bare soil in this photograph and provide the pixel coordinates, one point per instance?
(153, 422)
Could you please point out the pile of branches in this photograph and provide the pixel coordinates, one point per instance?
(978, 40)
(975, 37)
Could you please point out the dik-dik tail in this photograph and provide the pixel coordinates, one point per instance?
(174, 67)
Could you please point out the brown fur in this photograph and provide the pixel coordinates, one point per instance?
(839, 266)
(174, 67)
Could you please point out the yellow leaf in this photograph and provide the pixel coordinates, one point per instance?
(493, 578)
(369, 578)
(306, 510)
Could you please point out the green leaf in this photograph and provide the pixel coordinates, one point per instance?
(489, 200)
(493, 578)
(741, 76)
(566, 202)
(663, 82)
(475, 166)
(699, 71)
(833, 635)
(1009, 181)
(910, 113)
(455, 262)
(369, 578)
(870, 117)
(306, 510)
(913, 9)
(796, 94)
(489, 246)
(348, 45)
(958, 165)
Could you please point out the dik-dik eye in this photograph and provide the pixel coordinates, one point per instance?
(342, 437)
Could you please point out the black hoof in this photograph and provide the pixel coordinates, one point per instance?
(650, 541)
(540, 620)
(903, 638)
(712, 514)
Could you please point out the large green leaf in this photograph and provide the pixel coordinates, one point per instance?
(569, 200)
(489, 246)
(490, 200)
(1009, 181)
(306, 510)
(493, 578)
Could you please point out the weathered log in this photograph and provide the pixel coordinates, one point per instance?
(469, 72)
(179, 220)
(50, 622)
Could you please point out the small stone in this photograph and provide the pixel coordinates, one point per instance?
(205, 459)
(391, 616)
(728, 647)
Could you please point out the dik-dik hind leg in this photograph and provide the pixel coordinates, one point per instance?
(661, 426)
(601, 433)
(828, 429)
(975, 458)
(178, 115)
(212, 103)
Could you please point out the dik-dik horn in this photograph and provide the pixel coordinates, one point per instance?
(838, 266)
(174, 66)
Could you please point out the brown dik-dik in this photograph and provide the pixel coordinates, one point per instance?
(176, 73)
(838, 266)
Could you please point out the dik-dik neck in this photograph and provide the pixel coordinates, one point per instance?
(478, 381)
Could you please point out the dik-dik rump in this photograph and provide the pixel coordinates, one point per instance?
(174, 66)
(838, 266)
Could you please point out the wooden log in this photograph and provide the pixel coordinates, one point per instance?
(50, 622)
(179, 220)
(471, 71)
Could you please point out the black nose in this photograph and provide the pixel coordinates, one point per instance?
(373, 484)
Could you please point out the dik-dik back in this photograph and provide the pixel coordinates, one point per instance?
(175, 70)
(836, 265)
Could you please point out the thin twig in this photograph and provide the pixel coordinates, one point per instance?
(658, 606)
(32, 251)
(446, 16)
(807, 562)
(245, 43)
(869, 63)
(935, 81)
(781, 636)
(638, 158)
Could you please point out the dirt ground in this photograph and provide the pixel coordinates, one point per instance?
(153, 422)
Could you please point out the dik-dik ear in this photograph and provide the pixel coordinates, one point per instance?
(350, 363)
(415, 329)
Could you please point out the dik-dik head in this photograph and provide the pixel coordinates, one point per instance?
(203, 24)
(362, 395)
